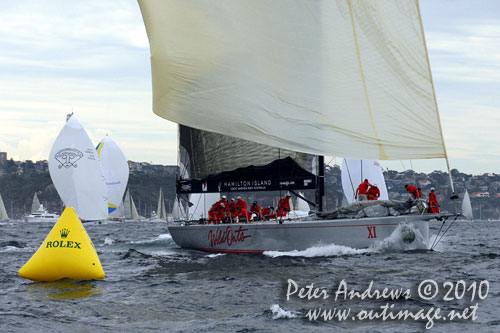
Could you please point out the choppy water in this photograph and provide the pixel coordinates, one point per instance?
(152, 285)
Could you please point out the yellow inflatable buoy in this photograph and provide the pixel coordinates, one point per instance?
(66, 252)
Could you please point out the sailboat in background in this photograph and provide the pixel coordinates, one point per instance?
(3, 212)
(35, 204)
(258, 113)
(116, 172)
(467, 207)
(129, 209)
(354, 172)
(39, 213)
(160, 215)
(76, 172)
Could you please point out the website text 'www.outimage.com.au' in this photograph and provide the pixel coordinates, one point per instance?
(470, 293)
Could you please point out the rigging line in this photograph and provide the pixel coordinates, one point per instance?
(350, 180)
(444, 233)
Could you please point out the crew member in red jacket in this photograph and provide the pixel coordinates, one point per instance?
(233, 210)
(222, 210)
(433, 203)
(242, 209)
(414, 191)
(283, 206)
(211, 214)
(268, 213)
(255, 209)
(373, 193)
(362, 191)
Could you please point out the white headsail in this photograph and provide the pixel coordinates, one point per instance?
(340, 78)
(354, 172)
(76, 172)
(3, 212)
(467, 207)
(201, 203)
(116, 171)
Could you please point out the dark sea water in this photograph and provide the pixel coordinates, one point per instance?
(152, 285)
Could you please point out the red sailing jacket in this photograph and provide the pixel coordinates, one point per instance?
(373, 193)
(362, 188)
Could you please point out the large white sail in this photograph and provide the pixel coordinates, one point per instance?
(76, 172)
(3, 212)
(116, 171)
(467, 207)
(341, 78)
(354, 172)
(35, 204)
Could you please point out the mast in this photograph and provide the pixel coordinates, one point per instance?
(320, 194)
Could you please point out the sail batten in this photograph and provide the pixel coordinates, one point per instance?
(295, 76)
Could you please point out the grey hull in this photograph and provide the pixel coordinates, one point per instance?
(294, 235)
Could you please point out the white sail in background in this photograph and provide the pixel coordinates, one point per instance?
(3, 212)
(354, 172)
(338, 78)
(130, 211)
(35, 205)
(76, 172)
(161, 212)
(467, 207)
(116, 171)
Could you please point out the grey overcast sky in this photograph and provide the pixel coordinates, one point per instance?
(92, 58)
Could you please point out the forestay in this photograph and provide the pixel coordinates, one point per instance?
(341, 78)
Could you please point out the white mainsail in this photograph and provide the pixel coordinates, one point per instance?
(340, 78)
(3, 212)
(35, 205)
(116, 171)
(130, 211)
(76, 172)
(354, 172)
(467, 207)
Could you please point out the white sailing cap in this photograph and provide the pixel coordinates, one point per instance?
(223, 197)
(432, 188)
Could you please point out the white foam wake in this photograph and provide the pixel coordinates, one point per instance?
(213, 255)
(161, 237)
(108, 241)
(395, 242)
(279, 313)
(319, 251)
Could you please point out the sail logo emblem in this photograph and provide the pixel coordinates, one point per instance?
(64, 233)
(307, 182)
(68, 157)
